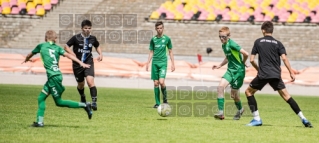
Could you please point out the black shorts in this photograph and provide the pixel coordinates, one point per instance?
(80, 72)
(275, 83)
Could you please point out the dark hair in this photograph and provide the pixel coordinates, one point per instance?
(86, 23)
(267, 26)
(158, 23)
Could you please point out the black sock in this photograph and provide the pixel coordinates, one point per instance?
(93, 92)
(81, 92)
(293, 104)
(252, 103)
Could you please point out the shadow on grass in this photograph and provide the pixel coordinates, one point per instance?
(56, 126)
(162, 119)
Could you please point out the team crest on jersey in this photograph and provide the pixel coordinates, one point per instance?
(90, 45)
(163, 41)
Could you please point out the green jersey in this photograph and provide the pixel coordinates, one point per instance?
(159, 47)
(232, 52)
(50, 55)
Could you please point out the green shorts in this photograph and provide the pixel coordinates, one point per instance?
(235, 78)
(158, 71)
(54, 86)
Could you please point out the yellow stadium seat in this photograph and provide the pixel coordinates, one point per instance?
(36, 2)
(211, 16)
(154, 15)
(30, 5)
(178, 16)
(6, 10)
(234, 17)
(40, 12)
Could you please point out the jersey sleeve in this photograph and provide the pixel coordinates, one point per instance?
(254, 51)
(151, 45)
(282, 49)
(61, 51)
(96, 43)
(71, 42)
(235, 46)
(37, 49)
(169, 44)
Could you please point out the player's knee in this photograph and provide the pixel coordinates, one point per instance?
(156, 83)
(162, 84)
(248, 92)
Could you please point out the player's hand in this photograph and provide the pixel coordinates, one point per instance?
(215, 67)
(100, 58)
(26, 60)
(173, 68)
(146, 66)
(293, 78)
(85, 65)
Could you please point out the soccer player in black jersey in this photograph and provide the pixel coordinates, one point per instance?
(270, 51)
(82, 48)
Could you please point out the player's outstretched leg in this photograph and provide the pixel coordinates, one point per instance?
(236, 97)
(294, 106)
(220, 102)
(81, 92)
(41, 108)
(93, 92)
(256, 121)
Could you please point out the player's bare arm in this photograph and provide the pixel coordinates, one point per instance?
(28, 57)
(150, 56)
(68, 50)
(287, 64)
(253, 63)
(245, 55)
(224, 62)
(70, 56)
(99, 51)
(171, 55)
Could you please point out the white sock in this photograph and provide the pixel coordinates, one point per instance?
(301, 115)
(256, 115)
(221, 112)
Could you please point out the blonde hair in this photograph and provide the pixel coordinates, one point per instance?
(50, 35)
(225, 29)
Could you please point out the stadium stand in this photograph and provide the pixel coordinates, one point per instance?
(290, 11)
(26, 7)
(188, 38)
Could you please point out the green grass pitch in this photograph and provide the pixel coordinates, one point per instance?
(126, 115)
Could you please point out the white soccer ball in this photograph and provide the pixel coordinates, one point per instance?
(164, 110)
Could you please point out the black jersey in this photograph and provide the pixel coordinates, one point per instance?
(82, 47)
(269, 51)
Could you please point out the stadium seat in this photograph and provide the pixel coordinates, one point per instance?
(54, 2)
(22, 4)
(37, 2)
(40, 11)
(6, 9)
(14, 10)
(31, 8)
(13, 3)
(154, 15)
(47, 5)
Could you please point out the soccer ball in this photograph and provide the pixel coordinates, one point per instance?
(164, 110)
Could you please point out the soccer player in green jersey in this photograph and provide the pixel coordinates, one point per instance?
(50, 55)
(159, 45)
(234, 75)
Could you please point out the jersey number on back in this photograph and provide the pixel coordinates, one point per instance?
(54, 66)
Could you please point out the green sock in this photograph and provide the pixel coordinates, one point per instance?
(220, 102)
(164, 94)
(41, 107)
(238, 105)
(157, 95)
